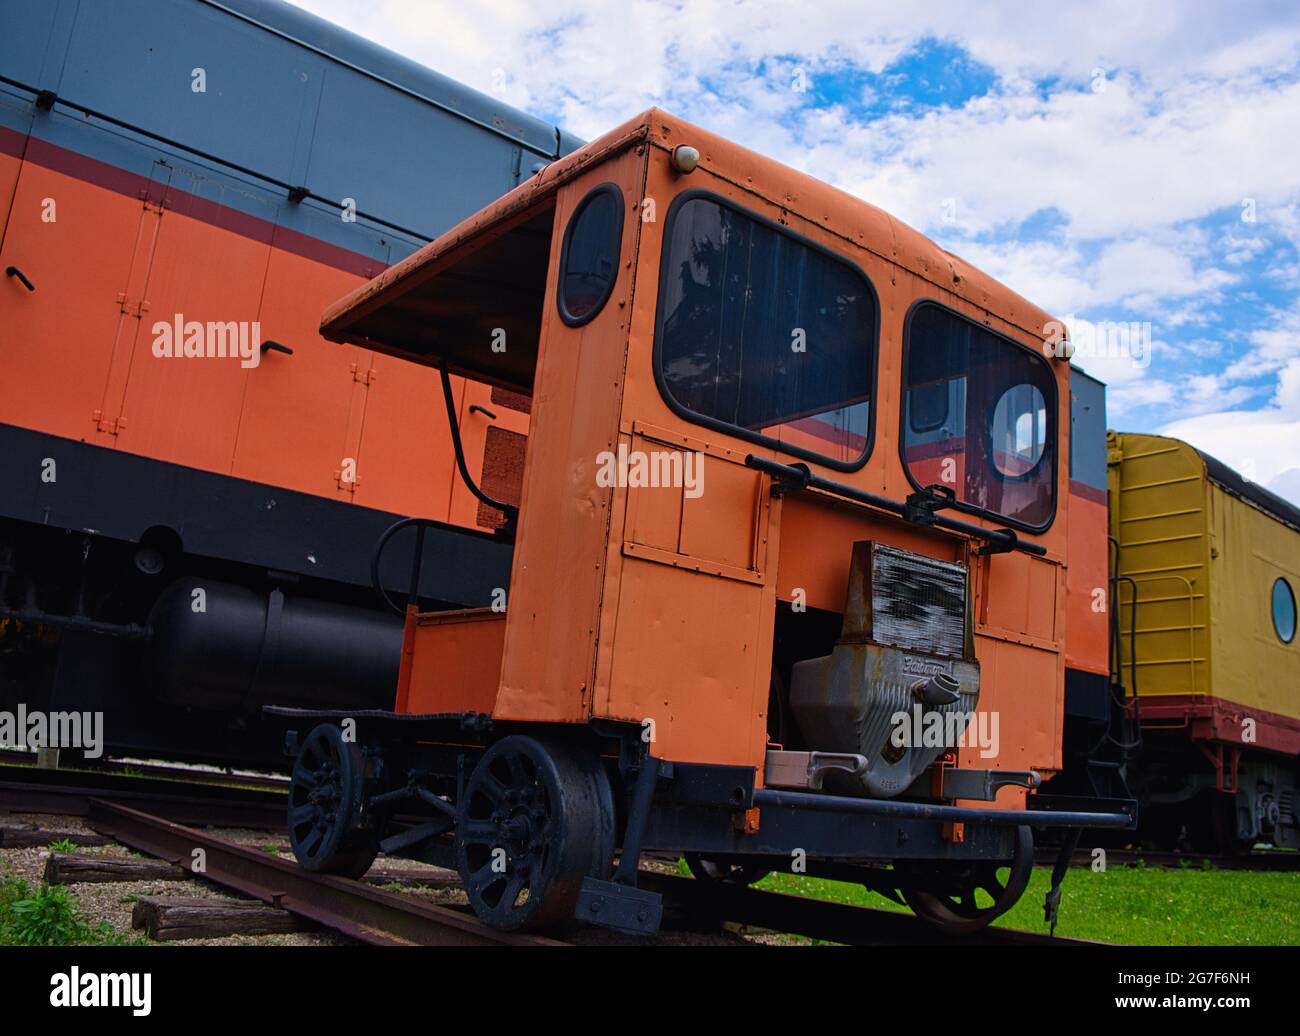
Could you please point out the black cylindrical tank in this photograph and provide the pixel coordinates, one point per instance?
(218, 645)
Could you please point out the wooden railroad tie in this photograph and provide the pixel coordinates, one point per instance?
(167, 918)
(25, 836)
(67, 869)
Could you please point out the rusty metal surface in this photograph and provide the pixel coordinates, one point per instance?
(905, 622)
(918, 603)
(364, 913)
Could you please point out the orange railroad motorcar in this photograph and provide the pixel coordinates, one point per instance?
(789, 584)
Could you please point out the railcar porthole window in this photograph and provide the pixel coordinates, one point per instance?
(589, 258)
(1283, 611)
(764, 334)
(995, 445)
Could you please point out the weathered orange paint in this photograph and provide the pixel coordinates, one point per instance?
(10, 168)
(454, 663)
(1087, 640)
(91, 244)
(648, 606)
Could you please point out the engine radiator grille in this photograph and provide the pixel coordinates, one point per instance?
(917, 603)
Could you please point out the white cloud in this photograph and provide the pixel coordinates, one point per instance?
(1261, 444)
(1196, 120)
(1188, 122)
(1287, 485)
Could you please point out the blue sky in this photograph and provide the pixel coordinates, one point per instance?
(1111, 161)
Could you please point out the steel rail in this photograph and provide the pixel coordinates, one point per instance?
(180, 772)
(26, 789)
(381, 918)
(363, 912)
(1275, 860)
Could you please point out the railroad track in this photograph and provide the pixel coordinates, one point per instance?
(382, 918)
(370, 915)
(70, 793)
(162, 771)
(1261, 860)
(150, 815)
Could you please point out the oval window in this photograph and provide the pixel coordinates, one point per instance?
(1019, 430)
(589, 259)
(1283, 611)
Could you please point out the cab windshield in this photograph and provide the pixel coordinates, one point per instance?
(764, 334)
(979, 417)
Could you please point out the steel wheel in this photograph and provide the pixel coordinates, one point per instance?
(950, 900)
(324, 801)
(727, 872)
(535, 820)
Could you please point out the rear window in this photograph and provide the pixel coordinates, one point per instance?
(764, 334)
(980, 416)
(589, 258)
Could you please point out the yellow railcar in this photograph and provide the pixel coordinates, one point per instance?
(1205, 567)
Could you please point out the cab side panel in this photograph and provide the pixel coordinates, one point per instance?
(559, 575)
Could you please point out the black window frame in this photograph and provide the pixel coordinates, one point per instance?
(605, 188)
(731, 429)
(1053, 420)
(1272, 613)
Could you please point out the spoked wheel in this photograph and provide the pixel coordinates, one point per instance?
(535, 820)
(968, 898)
(324, 800)
(728, 872)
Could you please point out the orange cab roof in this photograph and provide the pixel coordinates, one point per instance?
(355, 317)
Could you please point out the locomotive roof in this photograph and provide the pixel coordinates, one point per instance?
(387, 66)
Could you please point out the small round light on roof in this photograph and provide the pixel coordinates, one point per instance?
(685, 158)
(1065, 350)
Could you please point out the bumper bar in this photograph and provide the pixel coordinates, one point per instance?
(776, 799)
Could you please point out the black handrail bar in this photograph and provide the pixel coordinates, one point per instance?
(796, 477)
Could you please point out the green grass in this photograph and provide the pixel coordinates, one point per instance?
(48, 916)
(1135, 905)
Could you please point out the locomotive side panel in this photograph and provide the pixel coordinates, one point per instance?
(59, 345)
(218, 143)
(180, 166)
